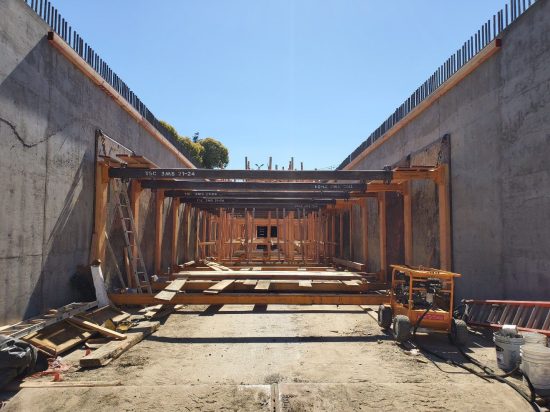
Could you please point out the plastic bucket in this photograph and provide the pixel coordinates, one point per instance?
(508, 350)
(534, 338)
(536, 365)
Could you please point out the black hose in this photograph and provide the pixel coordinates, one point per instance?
(487, 374)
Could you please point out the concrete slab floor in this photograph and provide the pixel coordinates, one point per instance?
(283, 358)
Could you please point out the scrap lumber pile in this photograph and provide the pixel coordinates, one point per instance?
(104, 333)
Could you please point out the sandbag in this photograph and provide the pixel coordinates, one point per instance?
(17, 358)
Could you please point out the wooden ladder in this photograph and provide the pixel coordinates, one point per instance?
(529, 316)
(137, 265)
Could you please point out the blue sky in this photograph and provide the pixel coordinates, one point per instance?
(304, 78)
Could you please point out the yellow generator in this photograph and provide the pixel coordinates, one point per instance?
(421, 297)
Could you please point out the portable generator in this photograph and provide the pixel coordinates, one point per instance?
(421, 297)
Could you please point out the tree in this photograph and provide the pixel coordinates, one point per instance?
(208, 153)
(215, 154)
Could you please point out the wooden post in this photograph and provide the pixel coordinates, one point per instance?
(159, 209)
(278, 236)
(445, 236)
(247, 234)
(333, 233)
(383, 239)
(175, 230)
(351, 232)
(100, 218)
(186, 240)
(341, 237)
(231, 219)
(204, 239)
(407, 222)
(365, 219)
(198, 221)
(269, 231)
(291, 236)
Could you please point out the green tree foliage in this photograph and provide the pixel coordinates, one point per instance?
(209, 153)
(215, 154)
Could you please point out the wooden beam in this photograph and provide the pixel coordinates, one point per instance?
(349, 264)
(365, 234)
(265, 274)
(175, 230)
(254, 299)
(445, 235)
(100, 219)
(114, 349)
(383, 237)
(86, 324)
(159, 209)
(407, 223)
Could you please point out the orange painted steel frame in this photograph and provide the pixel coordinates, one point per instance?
(438, 319)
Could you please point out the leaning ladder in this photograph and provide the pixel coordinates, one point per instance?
(529, 316)
(137, 265)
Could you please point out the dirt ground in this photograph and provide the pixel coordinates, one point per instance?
(280, 358)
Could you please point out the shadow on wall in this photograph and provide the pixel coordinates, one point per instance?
(46, 166)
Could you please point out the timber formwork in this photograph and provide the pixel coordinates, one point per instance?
(266, 219)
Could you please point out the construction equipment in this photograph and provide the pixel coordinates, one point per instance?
(528, 316)
(137, 265)
(421, 297)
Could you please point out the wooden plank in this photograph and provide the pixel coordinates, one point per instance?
(351, 282)
(263, 284)
(445, 247)
(382, 234)
(68, 384)
(255, 299)
(218, 287)
(304, 283)
(159, 209)
(250, 282)
(171, 290)
(86, 324)
(114, 349)
(175, 231)
(347, 263)
(407, 222)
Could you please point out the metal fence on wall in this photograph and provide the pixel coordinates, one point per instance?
(485, 35)
(61, 27)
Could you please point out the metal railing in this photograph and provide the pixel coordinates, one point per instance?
(485, 35)
(61, 27)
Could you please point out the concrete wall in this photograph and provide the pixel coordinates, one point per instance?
(498, 119)
(49, 112)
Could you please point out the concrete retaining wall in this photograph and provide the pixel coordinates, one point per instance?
(49, 112)
(498, 119)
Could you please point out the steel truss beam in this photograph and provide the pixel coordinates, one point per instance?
(255, 186)
(361, 175)
(255, 195)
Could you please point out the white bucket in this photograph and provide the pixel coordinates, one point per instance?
(536, 365)
(508, 350)
(534, 338)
